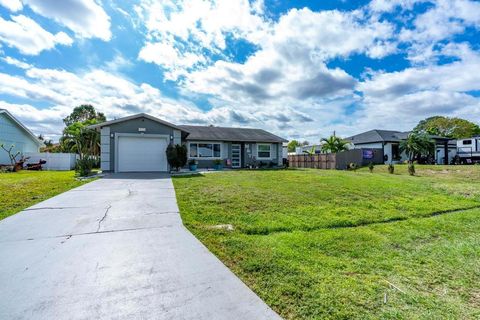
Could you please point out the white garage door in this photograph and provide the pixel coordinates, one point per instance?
(142, 153)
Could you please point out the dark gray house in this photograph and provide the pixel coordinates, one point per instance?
(389, 142)
(138, 143)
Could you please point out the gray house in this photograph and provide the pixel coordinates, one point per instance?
(13, 132)
(138, 143)
(389, 142)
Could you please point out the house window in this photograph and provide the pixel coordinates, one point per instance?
(263, 151)
(193, 150)
(205, 150)
(467, 142)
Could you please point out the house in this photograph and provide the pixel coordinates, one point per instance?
(138, 143)
(13, 132)
(389, 142)
(309, 148)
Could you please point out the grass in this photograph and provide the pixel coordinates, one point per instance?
(318, 244)
(22, 189)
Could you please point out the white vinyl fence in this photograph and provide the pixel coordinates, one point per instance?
(55, 161)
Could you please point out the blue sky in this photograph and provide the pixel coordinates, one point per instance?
(301, 69)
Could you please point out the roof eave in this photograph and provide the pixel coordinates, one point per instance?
(21, 125)
(136, 116)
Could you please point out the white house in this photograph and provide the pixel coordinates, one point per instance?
(389, 142)
(13, 132)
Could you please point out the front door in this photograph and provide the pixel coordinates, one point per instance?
(236, 155)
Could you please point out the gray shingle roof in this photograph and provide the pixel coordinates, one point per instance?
(230, 134)
(378, 136)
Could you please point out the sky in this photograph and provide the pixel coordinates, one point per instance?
(300, 69)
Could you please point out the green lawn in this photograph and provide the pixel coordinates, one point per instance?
(337, 244)
(22, 189)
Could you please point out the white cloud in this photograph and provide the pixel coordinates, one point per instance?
(109, 93)
(169, 57)
(29, 37)
(398, 100)
(390, 5)
(12, 5)
(16, 62)
(84, 17)
(180, 33)
(289, 71)
(442, 21)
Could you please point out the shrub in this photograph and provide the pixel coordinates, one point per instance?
(411, 169)
(371, 166)
(192, 162)
(177, 156)
(391, 168)
(84, 166)
(217, 161)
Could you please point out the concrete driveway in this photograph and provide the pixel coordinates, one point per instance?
(115, 248)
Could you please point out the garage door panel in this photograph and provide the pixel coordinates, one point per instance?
(142, 154)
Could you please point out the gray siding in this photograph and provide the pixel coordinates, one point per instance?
(132, 126)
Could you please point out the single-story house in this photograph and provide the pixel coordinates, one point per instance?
(139, 142)
(13, 132)
(389, 142)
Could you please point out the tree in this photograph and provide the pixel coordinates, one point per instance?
(11, 154)
(83, 113)
(454, 128)
(333, 144)
(416, 144)
(292, 145)
(176, 156)
(77, 137)
(47, 143)
(312, 151)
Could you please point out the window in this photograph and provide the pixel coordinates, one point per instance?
(193, 150)
(467, 142)
(205, 150)
(263, 151)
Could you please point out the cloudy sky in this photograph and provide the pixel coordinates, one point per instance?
(300, 69)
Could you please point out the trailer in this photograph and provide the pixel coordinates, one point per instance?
(468, 150)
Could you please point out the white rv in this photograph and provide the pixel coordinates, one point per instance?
(468, 150)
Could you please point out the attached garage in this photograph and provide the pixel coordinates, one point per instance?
(137, 143)
(137, 153)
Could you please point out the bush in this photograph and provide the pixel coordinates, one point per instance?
(84, 166)
(411, 169)
(177, 156)
(391, 168)
(371, 166)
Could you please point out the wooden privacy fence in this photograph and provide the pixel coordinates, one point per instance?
(317, 161)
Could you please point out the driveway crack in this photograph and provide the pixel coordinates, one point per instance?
(103, 218)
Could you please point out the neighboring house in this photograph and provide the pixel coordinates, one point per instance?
(138, 143)
(308, 148)
(389, 142)
(13, 132)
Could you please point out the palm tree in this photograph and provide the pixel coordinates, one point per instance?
(416, 144)
(333, 144)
